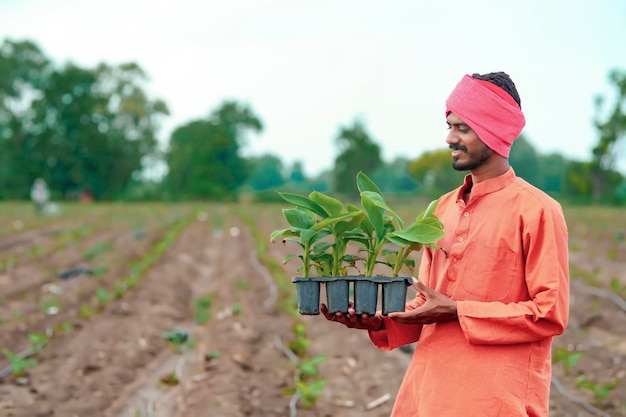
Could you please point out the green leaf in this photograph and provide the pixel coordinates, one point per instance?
(322, 247)
(10, 355)
(387, 252)
(380, 202)
(322, 257)
(429, 210)
(572, 359)
(374, 212)
(376, 199)
(396, 240)
(344, 227)
(330, 204)
(364, 183)
(320, 234)
(362, 241)
(299, 218)
(351, 258)
(410, 263)
(367, 227)
(304, 202)
(333, 219)
(293, 240)
(284, 232)
(38, 340)
(309, 367)
(178, 337)
(420, 233)
(395, 215)
(431, 207)
(307, 235)
(290, 257)
(430, 220)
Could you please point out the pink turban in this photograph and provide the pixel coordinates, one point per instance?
(489, 110)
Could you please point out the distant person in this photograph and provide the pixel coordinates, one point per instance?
(40, 194)
(489, 303)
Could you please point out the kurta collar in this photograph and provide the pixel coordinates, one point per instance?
(487, 186)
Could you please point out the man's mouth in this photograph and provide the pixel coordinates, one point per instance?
(458, 148)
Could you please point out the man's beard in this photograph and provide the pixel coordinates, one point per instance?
(474, 162)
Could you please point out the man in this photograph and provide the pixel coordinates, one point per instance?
(40, 194)
(489, 303)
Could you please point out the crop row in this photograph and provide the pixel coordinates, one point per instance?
(67, 300)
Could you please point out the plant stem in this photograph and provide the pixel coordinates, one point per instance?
(371, 259)
(338, 249)
(306, 261)
(402, 254)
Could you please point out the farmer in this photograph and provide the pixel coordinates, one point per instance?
(492, 298)
(40, 194)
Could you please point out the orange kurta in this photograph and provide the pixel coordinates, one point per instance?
(507, 268)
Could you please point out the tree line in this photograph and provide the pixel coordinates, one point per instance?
(94, 131)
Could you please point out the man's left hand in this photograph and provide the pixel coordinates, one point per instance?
(437, 309)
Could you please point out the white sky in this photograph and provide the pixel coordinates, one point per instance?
(308, 67)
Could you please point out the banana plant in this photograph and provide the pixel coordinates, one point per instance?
(382, 225)
(425, 230)
(323, 226)
(314, 218)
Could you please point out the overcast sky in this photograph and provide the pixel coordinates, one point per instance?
(308, 67)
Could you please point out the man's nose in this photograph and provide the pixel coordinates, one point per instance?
(452, 137)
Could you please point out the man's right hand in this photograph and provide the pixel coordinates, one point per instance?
(355, 321)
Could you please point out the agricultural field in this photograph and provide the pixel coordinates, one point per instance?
(186, 310)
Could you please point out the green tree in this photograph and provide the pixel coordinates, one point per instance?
(296, 173)
(612, 131)
(24, 70)
(577, 184)
(77, 128)
(553, 168)
(358, 152)
(203, 157)
(94, 128)
(526, 161)
(434, 173)
(266, 172)
(394, 176)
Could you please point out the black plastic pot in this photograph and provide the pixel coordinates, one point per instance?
(394, 296)
(365, 296)
(338, 293)
(308, 295)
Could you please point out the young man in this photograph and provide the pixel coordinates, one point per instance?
(489, 304)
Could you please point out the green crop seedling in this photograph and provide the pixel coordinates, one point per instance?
(18, 364)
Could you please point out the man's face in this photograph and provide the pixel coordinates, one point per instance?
(468, 152)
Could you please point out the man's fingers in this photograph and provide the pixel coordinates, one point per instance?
(325, 312)
(419, 286)
(416, 283)
(397, 315)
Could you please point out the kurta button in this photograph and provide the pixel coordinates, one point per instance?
(460, 239)
(466, 214)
